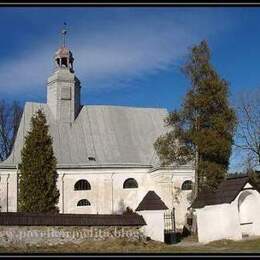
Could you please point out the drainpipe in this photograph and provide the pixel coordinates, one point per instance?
(7, 184)
(62, 179)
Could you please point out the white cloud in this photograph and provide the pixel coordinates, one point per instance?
(118, 50)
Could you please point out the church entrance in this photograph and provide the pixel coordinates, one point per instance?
(246, 210)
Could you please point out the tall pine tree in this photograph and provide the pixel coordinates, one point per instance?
(202, 130)
(37, 171)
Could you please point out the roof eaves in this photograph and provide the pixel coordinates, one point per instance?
(91, 166)
(7, 166)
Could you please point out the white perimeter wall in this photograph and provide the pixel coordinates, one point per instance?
(249, 210)
(155, 224)
(223, 221)
(217, 222)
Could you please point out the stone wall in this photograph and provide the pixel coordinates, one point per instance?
(53, 235)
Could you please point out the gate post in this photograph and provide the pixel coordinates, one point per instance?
(152, 208)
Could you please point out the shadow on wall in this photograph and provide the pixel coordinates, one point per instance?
(3, 207)
(121, 207)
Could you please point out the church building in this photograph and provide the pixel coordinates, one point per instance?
(105, 155)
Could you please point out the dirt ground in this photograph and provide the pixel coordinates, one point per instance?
(188, 245)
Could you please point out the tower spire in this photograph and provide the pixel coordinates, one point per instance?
(64, 32)
(63, 57)
(63, 96)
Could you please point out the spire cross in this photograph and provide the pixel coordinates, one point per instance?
(64, 32)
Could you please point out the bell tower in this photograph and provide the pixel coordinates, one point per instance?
(63, 88)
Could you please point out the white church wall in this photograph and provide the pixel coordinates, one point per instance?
(218, 222)
(167, 184)
(129, 197)
(72, 197)
(183, 197)
(8, 190)
(108, 196)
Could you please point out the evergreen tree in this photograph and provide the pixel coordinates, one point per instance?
(202, 130)
(37, 171)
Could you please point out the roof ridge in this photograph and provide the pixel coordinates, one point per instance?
(124, 106)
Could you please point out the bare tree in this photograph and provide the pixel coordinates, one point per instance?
(10, 116)
(248, 130)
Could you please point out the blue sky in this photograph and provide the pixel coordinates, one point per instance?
(127, 56)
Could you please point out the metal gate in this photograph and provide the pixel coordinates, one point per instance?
(169, 221)
(170, 235)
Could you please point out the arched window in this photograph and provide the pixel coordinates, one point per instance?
(83, 202)
(64, 62)
(82, 185)
(246, 210)
(130, 184)
(187, 185)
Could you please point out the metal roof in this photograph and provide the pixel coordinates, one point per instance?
(113, 135)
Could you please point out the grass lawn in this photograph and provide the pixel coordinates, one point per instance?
(122, 246)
